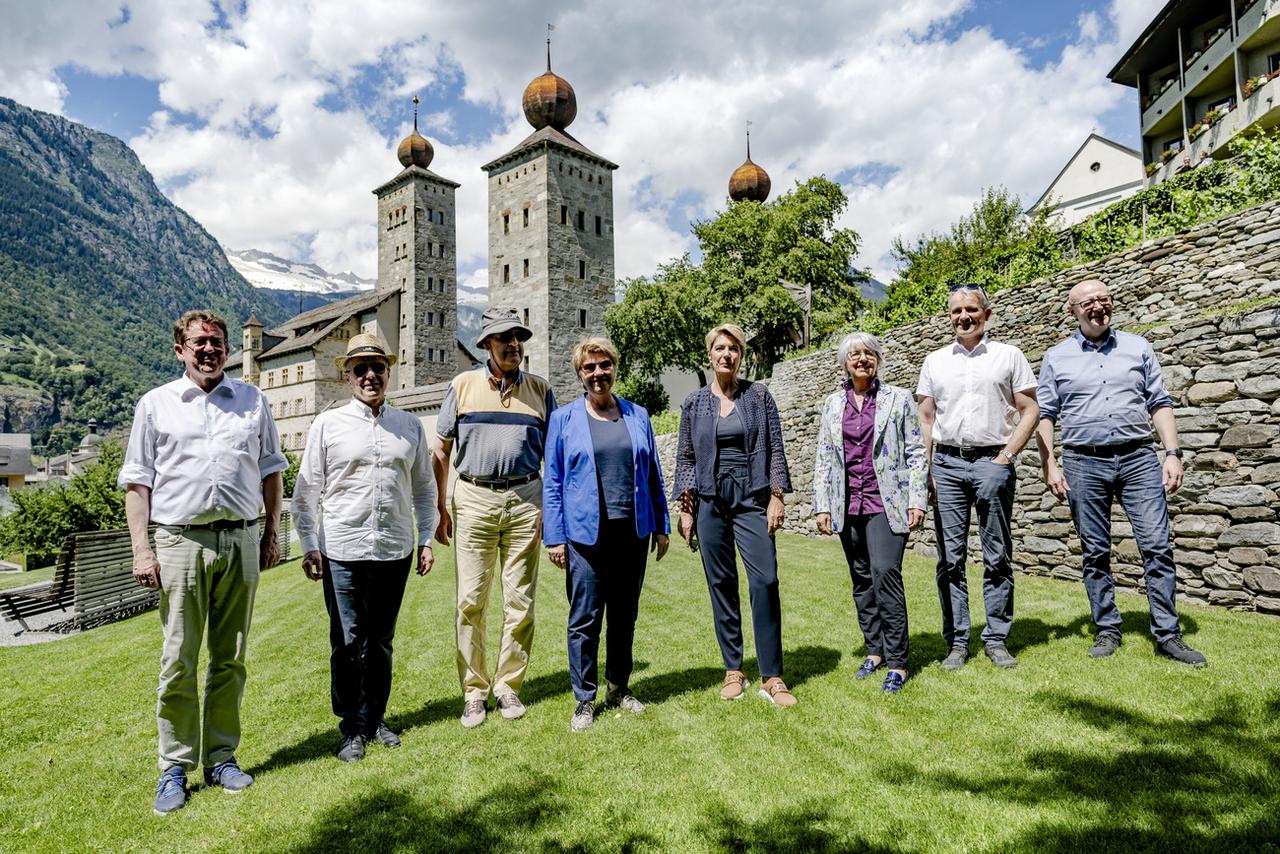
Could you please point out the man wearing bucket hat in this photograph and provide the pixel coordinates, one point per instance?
(496, 415)
(365, 467)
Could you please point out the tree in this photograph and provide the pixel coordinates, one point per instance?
(746, 250)
(44, 516)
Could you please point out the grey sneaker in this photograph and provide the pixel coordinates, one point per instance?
(1105, 644)
(473, 713)
(584, 715)
(956, 658)
(622, 698)
(229, 776)
(999, 655)
(352, 748)
(510, 706)
(1177, 649)
(171, 791)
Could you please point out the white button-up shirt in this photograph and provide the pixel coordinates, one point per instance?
(973, 391)
(202, 455)
(363, 483)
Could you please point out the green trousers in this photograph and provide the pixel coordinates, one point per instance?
(207, 580)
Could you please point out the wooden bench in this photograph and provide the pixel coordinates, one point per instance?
(95, 580)
(19, 603)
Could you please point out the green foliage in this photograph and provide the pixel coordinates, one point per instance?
(746, 250)
(44, 516)
(291, 473)
(665, 422)
(644, 391)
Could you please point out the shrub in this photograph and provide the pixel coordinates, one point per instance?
(46, 515)
(665, 422)
(645, 391)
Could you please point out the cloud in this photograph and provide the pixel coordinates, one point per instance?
(280, 118)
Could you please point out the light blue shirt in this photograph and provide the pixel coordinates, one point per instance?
(1102, 394)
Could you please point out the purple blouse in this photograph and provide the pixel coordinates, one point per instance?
(859, 433)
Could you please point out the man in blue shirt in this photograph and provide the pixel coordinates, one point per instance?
(1106, 390)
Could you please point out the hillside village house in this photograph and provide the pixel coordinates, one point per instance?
(1100, 173)
(1204, 70)
(15, 460)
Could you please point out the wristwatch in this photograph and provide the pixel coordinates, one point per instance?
(1173, 452)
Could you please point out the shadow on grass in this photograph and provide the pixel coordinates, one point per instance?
(513, 816)
(325, 742)
(792, 829)
(1205, 783)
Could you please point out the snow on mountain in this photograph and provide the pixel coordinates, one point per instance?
(264, 270)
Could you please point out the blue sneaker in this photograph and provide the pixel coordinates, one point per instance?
(229, 776)
(893, 682)
(171, 791)
(868, 667)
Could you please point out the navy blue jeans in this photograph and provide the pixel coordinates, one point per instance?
(963, 486)
(1136, 479)
(363, 598)
(604, 579)
(874, 553)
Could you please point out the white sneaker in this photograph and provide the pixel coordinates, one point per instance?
(584, 715)
(473, 713)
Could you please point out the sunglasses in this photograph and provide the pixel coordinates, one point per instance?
(590, 367)
(363, 368)
(511, 336)
(964, 286)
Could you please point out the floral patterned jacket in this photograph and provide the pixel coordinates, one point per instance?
(897, 452)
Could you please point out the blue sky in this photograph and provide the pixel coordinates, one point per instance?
(270, 122)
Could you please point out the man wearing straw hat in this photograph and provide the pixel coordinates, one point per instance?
(365, 481)
(497, 416)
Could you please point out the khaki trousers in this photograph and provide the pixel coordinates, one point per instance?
(207, 579)
(496, 528)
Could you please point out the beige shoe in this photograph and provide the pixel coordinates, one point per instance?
(735, 685)
(775, 691)
(510, 706)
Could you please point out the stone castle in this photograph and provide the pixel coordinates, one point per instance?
(550, 222)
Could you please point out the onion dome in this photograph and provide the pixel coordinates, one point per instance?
(414, 150)
(749, 181)
(549, 99)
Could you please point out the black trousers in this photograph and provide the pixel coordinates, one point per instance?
(604, 579)
(363, 598)
(874, 552)
(736, 517)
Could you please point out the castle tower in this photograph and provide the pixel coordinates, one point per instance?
(749, 181)
(551, 233)
(251, 349)
(417, 239)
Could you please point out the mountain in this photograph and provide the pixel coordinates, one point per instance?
(95, 264)
(874, 290)
(264, 270)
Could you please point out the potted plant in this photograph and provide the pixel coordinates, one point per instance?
(1168, 154)
(1152, 167)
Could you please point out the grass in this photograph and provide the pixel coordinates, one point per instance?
(21, 579)
(1062, 754)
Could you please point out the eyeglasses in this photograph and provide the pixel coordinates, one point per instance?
(196, 343)
(1101, 300)
(603, 364)
(363, 368)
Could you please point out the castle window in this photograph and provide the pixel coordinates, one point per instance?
(271, 379)
(582, 269)
(431, 355)
(526, 268)
(526, 363)
(442, 253)
(582, 318)
(506, 273)
(564, 214)
(442, 357)
(506, 223)
(431, 283)
(598, 225)
(430, 249)
(526, 317)
(582, 221)
(299, 372)
(591, 178)
(526, 218)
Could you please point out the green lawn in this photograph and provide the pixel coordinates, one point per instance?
(21, 579)
(1061, 754)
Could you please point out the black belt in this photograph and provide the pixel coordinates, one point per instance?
(500, 483)
(978, 452)
(1109, 450)
(224, 525)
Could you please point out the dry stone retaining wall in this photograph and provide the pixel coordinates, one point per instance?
(1209, 301)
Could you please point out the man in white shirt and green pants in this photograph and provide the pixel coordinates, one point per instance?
(364, 481)
(203, 460)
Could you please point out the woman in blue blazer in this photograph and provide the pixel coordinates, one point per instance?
(603, 510)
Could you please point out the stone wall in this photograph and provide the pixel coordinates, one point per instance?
(1209, 301)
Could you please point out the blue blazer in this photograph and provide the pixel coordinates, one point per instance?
(570, 492)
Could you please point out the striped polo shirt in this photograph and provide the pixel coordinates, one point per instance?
(498, 434)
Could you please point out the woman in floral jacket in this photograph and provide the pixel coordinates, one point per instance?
(869, 485)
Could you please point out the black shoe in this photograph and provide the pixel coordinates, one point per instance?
(1177, 649)
(999, 655)
(352, 748)
(384, 736)
(1105, 644)
(956, 658)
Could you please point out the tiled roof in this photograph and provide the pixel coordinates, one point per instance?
(550, 136)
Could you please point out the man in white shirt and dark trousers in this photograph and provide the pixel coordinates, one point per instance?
(364, 482)
(968, 394)
(203, 460)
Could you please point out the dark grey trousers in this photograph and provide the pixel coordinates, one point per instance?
(874, 552)
(737, 517)
(962, 486)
